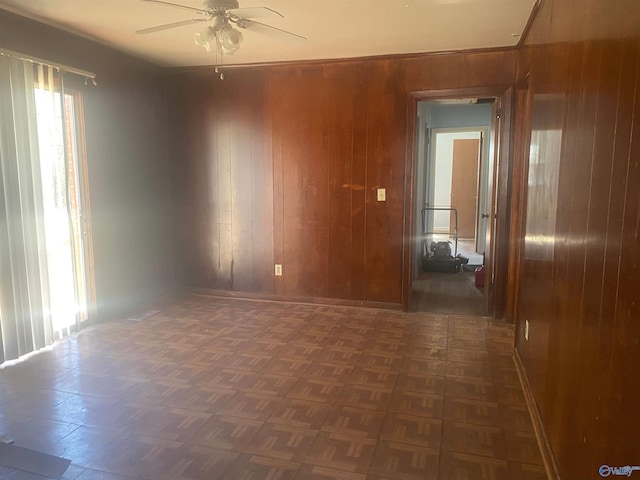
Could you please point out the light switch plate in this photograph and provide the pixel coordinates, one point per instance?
(382, 194)
(278, 270)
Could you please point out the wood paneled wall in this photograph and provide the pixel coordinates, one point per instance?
(580, 272)
(281, 164)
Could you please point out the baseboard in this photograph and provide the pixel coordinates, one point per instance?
(338, 302)
(548, 457)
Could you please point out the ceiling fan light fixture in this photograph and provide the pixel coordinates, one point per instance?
(205, 38)
(230, 39)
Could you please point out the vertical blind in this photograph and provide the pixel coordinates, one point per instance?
(25, 300)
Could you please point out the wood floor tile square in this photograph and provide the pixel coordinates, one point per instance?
(252, 362)
(415, 403)
(27, 431)
(421, 382)
(472, 330)
(347, 356)
(476, 412)
(478, 357)
(353, 421)
(522, 447)
(180, 372)
(228, 343)
(168, 423)
(505, 375)
(397, 334)
(137, 455)
(365, 396)
(470, 388)
(515, 417)
(427, 339)
(468, 370)
(302, 351)
(270, 384)
(456, 466)
(269, 346)
(250, 405)
(429, 352)
(300, 413)
(499, 346)
(523, 471)
(377, 377)
(211, 356)
(254, 467)
(341, 452)
(501, 359)
(380, 360)
(387, 347)
(424, 366)
(228, 433)
(86, 445)
(281, 441)
(198, 462)
(403, 428)
(203, 398)
(227, 378)
(347, 342)
(316, 390)
(314, 472)
(166, 392)
(274, 335)
(290, 366)
(473, 439)
(509, 394)
(313, 338)
(404, 461)
(336, 372)
(466, 343)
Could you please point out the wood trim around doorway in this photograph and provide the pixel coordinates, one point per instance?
(503, 95)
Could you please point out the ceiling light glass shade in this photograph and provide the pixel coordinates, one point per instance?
(230, 39)
(205, 39)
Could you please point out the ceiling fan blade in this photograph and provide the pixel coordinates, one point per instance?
(167, 26)
(255, 12)
(269, 31)
(176, 5)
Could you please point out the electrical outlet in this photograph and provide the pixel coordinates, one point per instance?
(526, 330)
(382, 194)
(278, 271)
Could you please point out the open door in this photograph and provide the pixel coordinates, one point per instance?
(464, 186)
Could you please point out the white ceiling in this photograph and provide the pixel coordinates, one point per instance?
(334, 28)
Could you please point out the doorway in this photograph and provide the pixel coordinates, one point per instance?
(62, 174)
(453, 173)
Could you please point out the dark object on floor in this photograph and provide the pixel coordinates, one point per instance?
(441, 264)
(441, 249)
(480, 277)
(31, 461)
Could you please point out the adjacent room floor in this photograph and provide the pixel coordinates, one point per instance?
(212, 388)
(447, 293)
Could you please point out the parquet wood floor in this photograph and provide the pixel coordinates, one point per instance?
(215, 388)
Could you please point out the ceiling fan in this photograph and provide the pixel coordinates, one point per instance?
(225, 14)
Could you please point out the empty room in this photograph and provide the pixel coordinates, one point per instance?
(356, 240)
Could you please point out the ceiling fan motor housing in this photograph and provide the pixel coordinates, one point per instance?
(220, 4)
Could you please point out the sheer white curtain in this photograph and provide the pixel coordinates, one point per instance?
(25, 289)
